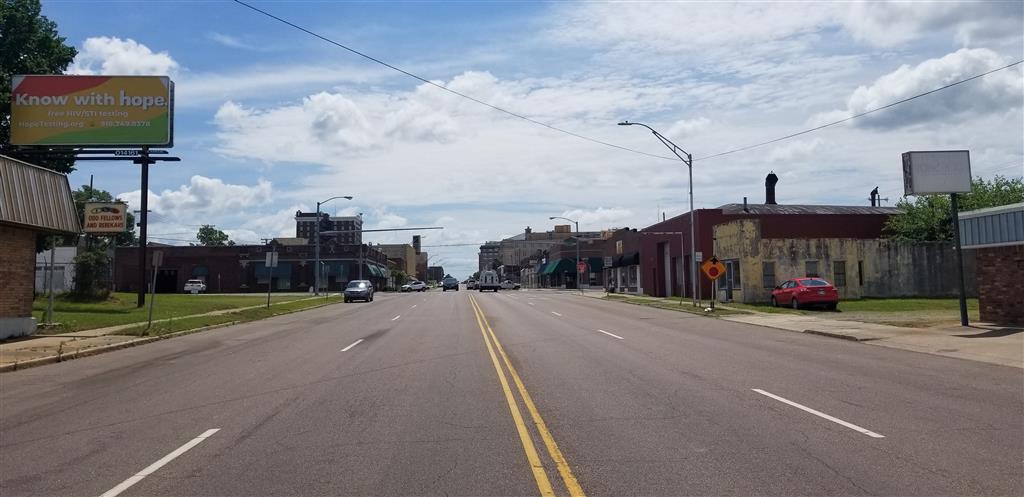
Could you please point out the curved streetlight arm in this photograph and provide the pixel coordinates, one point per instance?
(676, 149)
(688, 160)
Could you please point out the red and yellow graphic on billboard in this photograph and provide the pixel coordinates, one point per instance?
(92, 110)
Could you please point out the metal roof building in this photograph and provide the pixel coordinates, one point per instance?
(993, 227)
(997, 234)
(36, 198)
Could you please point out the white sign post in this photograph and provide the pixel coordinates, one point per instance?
(270, 263)
(941, 172)
(158, 259)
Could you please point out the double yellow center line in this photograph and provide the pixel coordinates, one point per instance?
(543, 484)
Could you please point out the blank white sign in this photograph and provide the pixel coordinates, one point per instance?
(946, 171)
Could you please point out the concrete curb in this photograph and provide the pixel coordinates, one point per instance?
(41, 361)
(840, 336)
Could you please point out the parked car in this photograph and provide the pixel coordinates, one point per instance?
(470, 284)
(449, 283)
(414, 286)
(805, 292)
(359, 290)
(509, 285)
(488, 281)
(195, 286)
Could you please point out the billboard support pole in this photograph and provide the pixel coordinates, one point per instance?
(144, 161)
(959, 258)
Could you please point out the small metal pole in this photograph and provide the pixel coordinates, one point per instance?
(959, 258)
(152, 296)
(270, 276)
(49, 303)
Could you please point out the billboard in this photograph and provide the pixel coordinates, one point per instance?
(92, 110)
(106, 218)
(941, 171)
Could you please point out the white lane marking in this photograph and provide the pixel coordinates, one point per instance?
(555, 313)
(611, 334)
(137, 477)
(512, 296)
(820, 414)
(396, 317)
(414, 306)
(353, 345)
(531, 303)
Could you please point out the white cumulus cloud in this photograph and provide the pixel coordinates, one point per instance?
(997, 92)
(114, 56)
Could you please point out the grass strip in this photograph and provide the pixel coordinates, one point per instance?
(120, 309)
(241, 316)
(672, 305)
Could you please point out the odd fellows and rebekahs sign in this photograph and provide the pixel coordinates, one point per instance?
(92, 110)
(106, 218)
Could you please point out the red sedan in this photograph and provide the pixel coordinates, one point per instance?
(801, 292)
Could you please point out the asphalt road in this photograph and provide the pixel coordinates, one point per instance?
(514, 393)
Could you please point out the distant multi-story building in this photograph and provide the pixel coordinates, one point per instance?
(435, 273)
(508, 254)
(488, 254)
(305, 227)
(402, 254)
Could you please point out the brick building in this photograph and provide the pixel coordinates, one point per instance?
(622, 261)
(34, 201)
(997, 235)
(242, 268)
(305, 226)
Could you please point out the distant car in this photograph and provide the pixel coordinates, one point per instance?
(806, 292)
(471, 284)
(449, 283)
(414, 286)
(488, 281)
(509, 285)
(195, 286)
(359, 290)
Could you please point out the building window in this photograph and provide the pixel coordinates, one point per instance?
(768, 274)
(860, 273)
(839, 273)
(732, 274)
(812, 269)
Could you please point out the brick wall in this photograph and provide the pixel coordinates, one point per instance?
(1000, 291)
(17, 271)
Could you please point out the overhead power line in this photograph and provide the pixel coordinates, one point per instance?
(855, 116)
(449, 90)
(595, 140)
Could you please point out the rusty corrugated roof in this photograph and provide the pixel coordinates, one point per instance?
(36, 197)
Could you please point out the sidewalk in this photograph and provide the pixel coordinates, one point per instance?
(74, 344)
(979, 342)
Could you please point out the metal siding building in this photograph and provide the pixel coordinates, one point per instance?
(997, 234)
(35, 197)
(992, 227)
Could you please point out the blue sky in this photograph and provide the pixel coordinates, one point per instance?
(269, 119)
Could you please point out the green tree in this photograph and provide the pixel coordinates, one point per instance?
(929, 217)
(212, 237)
(29, 44)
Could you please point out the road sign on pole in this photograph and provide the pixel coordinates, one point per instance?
(581, 267)
(713, 268)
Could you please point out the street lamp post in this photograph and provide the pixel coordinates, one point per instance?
(316, 250)
(688, 160)
(577, 223)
